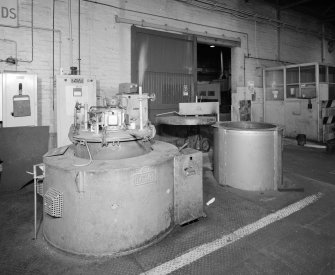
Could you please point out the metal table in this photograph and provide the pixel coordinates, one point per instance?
(196, 141)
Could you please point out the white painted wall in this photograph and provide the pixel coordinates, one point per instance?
(105, 45)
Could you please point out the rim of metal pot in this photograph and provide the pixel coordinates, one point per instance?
(247, 126)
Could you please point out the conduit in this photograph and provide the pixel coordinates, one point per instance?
(15, 44)
(53, 55)
(79, 59)
(32, 34)
(70, 32)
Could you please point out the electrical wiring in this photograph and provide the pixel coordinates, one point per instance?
(89, 153)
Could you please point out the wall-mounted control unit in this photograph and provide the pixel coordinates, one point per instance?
(18, 104)
(72, 89)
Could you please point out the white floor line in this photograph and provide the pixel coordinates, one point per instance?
(202, 250)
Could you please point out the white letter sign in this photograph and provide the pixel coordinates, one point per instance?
(8, 13)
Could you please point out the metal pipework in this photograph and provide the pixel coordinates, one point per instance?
(85, 116)
(141, 108)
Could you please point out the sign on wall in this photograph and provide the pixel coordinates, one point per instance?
(8, 13)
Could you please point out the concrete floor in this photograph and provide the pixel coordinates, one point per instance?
(302, 243)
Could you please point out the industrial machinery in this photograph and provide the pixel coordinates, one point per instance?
(115, 189)
(193, 115)
(301, 97)
(18, 99)
(70, 90)
(21, 145)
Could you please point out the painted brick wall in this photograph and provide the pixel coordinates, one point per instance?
(105, 45)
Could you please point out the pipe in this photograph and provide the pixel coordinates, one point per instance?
(269, 59)
(141, 111)
(75, 117)
(53, 30)
(244, 72)
(70, 32)
(48, 29)
(86, 116)
(323, 43)
(35, 204)
(221, 65)
(32, 35)
(15, 43)
(53, 55)
(79, 59)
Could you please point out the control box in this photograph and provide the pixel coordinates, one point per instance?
(188, 191)
(18, 99)
(70, 90)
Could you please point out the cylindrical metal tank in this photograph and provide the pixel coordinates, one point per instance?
(109, 207)
(248, 155)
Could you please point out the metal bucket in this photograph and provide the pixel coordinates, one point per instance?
(248, 155)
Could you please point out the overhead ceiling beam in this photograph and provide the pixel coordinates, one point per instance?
(292, 5)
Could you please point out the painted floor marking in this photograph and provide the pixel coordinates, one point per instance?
(202, 250)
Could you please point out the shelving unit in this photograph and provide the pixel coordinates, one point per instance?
(302, 98)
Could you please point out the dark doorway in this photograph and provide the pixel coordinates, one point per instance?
(214, 75)
(164, 64)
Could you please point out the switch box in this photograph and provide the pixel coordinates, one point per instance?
(19, 99)
(188, 193)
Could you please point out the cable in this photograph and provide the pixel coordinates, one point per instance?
(89, 153)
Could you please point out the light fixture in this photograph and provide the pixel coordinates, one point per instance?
(212, 46)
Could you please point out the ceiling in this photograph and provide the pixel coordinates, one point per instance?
(324, 10)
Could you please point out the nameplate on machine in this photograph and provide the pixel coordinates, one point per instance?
(77, 80)
(145, 175)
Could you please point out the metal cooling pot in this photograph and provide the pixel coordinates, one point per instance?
(248, 155)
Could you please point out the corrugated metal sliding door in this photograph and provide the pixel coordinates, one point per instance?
(164, 64)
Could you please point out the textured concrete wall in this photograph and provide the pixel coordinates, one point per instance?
(105, 44)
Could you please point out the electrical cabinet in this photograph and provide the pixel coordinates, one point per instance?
(70, 90)
(302, 98)
(18, 99)
(188, 198)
